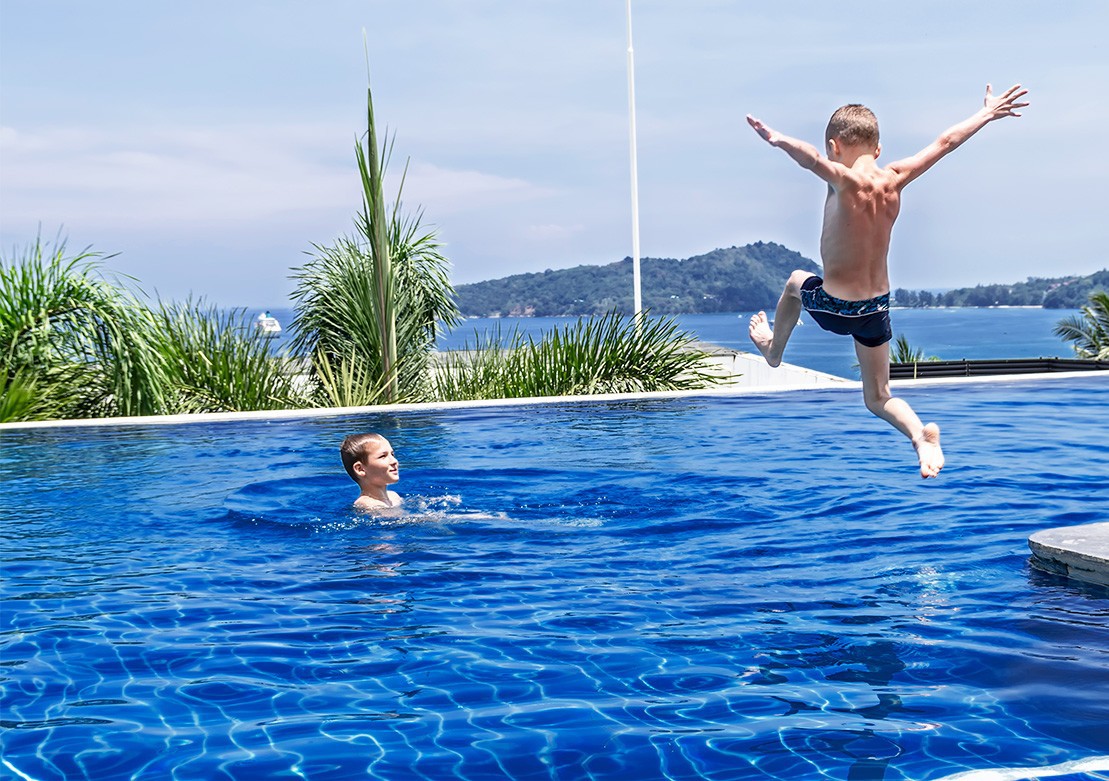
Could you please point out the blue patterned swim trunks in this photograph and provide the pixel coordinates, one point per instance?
(868, 321)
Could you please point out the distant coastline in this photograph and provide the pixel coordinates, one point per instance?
(950, 333)
(728, 280)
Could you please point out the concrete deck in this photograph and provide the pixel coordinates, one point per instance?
(749, 370)
(1079, 552)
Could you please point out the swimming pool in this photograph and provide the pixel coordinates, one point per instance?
(749, 587)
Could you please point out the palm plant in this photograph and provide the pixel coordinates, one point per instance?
(372, 225)
(607, 354)
(369, 306)
(903, 352)
(1090, 332)
(28, 395)
(215, 362)
(71, 343)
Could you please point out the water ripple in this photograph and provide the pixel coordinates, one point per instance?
(713, 588)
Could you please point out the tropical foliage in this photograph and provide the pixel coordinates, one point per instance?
(1088, 332)
(369, 306)
(903, 352)
(608, 354)
(64, 342)
(214, 362)
(74, 344)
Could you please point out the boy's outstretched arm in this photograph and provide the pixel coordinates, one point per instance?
(805, 154)
(1004, 105)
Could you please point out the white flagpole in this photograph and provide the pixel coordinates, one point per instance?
(637, 295)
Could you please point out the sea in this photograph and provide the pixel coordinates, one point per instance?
(944, 333)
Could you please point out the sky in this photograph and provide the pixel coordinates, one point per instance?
(208, 146)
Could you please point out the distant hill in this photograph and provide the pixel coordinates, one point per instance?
(737, 279)
(1056, 293)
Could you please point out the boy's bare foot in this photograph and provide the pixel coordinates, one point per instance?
(759, 331)
(928, 451)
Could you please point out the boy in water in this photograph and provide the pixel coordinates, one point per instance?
(862, 205)
(370, 462)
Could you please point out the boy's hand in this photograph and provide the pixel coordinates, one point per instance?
(767, 134)
(1006, 104)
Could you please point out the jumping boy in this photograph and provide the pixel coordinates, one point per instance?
(370, 462)
(862, 205)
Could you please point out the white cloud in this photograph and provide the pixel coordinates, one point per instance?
(169, 176)
(162, 178)
(552, 232)
(446, 191)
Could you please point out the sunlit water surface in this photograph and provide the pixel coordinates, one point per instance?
(723, 588)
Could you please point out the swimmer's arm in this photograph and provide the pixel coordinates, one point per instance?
(1004, 105)
(803, 153)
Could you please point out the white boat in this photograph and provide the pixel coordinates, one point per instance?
(268, 324)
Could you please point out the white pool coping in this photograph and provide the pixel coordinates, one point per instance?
(1080, 552)
(792, 384)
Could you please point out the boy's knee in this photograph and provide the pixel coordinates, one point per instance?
(796, 279)
(875, 401)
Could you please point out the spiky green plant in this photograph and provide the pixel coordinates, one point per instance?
(337, 326)
(77, 340)
(347, 381)
(29, 395)
(607, 354)
(216, 362)
(903, 352)
(373, 227)
(1089, 333)
(369, 306)
(73, 344)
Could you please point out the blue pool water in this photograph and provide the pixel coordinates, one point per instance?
(750, 587)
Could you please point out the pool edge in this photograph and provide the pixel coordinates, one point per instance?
(720, 391)
(1080, 552)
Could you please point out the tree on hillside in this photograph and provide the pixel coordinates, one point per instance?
(723, 280)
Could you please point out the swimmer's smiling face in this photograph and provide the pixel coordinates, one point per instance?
(379, 464)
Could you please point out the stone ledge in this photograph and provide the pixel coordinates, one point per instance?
(1079, 552)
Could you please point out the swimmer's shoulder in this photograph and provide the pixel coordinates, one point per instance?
(369, 503)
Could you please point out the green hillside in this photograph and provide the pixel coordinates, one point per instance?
(1056, 293)
(736, 279)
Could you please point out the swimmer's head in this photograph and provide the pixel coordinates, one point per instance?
(853, 125)
(356, 449)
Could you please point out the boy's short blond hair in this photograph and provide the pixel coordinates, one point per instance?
(852, 125)
(353, 450)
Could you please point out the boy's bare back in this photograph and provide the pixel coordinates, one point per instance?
(858, 220)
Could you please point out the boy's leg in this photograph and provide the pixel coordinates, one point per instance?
(874, 365)
(773, 343)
